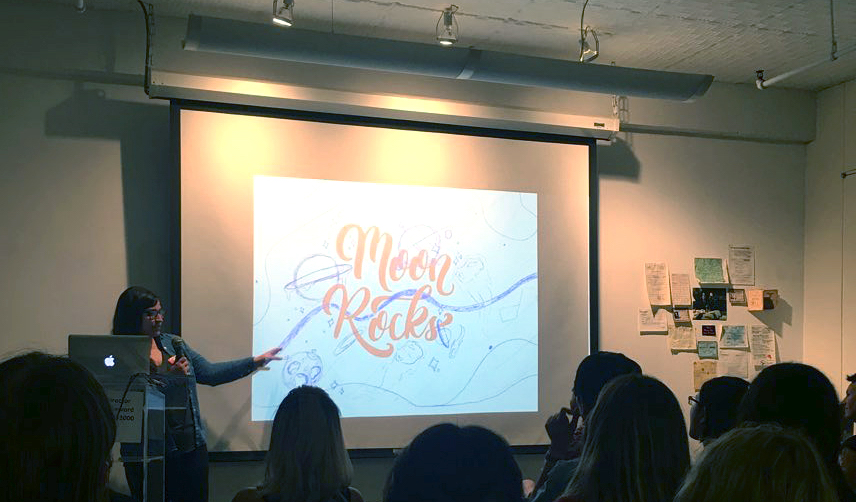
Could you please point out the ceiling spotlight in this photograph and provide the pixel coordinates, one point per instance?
(283, 12)
(447, 34)
(587, 54)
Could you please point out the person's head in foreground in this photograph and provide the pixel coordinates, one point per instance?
(447, 463)
(57, 431)
(138, 312)
(595, 371)
(307, 460)
(636, 447)
(800, 397)
(760, 463)
(715, 409)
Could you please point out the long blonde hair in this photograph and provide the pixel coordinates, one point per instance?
(758, 464)
(307, 460)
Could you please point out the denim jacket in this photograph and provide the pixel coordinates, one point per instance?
(204, 372)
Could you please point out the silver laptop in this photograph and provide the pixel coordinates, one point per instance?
(113, 359)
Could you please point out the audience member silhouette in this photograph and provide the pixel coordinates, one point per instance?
(800, 397)
(635, 448)
(306, 460)
(848, 405)
(759, 464)
(447, 463)
(566, 436)
(57, 431)
(847, 461)
(714, 411)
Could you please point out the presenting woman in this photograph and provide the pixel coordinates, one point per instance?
(139, 312)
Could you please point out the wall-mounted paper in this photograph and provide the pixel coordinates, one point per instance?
(711, 271)
(755, 299)
(657, 283)
(734, 363)
(681, 338)
(762, 299)
(710, 304)
(741, 264)
(705, 330)
(734, 337)
(683, 316)
(681, 291)
(763, 346)
(650, 323)
(702, 372)
(707, 350)
(737, 297)
(770, 299)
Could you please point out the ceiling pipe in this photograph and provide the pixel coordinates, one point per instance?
(258, 40)
(762, 83)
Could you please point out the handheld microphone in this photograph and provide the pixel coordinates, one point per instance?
(179, 347)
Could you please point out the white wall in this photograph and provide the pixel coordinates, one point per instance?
(694, 197)
(83, 190)
(830, 244)
(82, 199)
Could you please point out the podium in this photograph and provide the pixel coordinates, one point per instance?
(140, 430)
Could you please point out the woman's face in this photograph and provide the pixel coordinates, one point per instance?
(152, 319)
(850, 402)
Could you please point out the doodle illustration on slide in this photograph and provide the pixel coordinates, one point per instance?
(404, 300)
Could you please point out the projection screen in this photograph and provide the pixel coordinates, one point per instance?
(417, 274)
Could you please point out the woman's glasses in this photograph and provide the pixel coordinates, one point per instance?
(153, 313)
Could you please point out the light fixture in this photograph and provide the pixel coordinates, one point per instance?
(228, 36)
(447, 34)
(283, 12)
(587, 54)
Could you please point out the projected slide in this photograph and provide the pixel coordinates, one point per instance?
(397, 300)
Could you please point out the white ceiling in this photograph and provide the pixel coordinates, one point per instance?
(729, 39)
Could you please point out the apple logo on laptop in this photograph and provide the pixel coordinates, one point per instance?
(109, 361)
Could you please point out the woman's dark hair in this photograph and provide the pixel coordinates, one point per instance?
(447, 463)
(307, 460)
(720, 399)
(800, 397)
(57, 431)
(129, 310)
(636, 447)
(595, 371)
